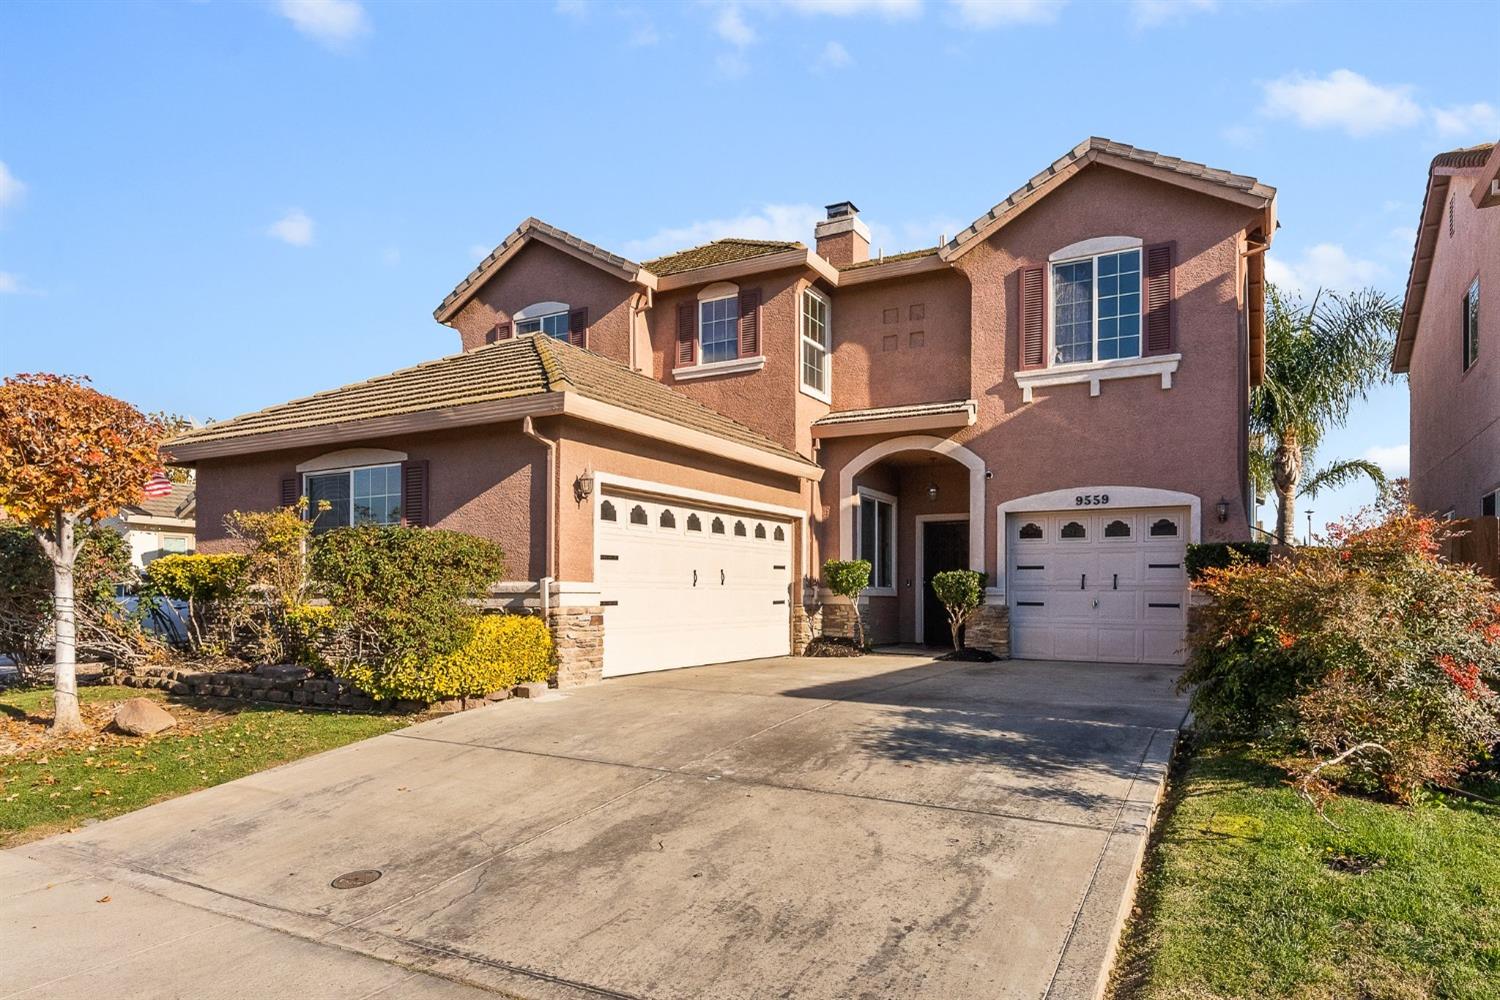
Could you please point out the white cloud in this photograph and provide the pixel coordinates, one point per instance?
(1326, 265)
(1149, 13)
(294, 229)
(892, 9)
(335, 24)
(1404, 237)
(1344, 100)
(11, 187)
(10, 284)
(731, 65)
(995, 13)
(731, 27)
(834, 56)
(1394, 460)
(1478, 120)
(770, 222)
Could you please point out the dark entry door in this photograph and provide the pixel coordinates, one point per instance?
(945, 546)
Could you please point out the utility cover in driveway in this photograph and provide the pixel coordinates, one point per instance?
(685, 584)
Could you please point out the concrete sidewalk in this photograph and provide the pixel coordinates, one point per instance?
(887, 826)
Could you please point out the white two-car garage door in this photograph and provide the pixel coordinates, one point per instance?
(684, 584)
(1102, 585)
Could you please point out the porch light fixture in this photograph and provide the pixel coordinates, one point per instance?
(1223, 508)
(932, 491)
(583, 486)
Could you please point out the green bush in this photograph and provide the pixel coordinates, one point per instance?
(195, 577)
(308, 630)
(401, 596)
(496, 651)
(962, 592)
(849, 578)
(1217, 555)
(1370, 646)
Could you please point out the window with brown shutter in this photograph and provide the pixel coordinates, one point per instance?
(501, 331)
(749, 322)
(291, 490)
(578, 325)
(687, 333)
(1033, 320)
(1158, 304)
(414, 512)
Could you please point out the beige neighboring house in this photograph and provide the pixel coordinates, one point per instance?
(669, 450)
(159, 526)
(1449, 341)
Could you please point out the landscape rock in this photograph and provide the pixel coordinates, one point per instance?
(142, 717)
(531, 689)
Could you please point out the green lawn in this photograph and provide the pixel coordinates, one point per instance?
(1239, 898)
(58, 784)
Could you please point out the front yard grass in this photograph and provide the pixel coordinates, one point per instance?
(1246, 893)
(48, 785)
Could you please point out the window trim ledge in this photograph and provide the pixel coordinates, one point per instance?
(1094, 372)
(735, 367)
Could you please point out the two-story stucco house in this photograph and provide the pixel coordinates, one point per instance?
(1448, 349)
(668, 451)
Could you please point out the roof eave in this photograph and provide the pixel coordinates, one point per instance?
(901, 424)
(1428, 226)
(730, 270)
(894, 269)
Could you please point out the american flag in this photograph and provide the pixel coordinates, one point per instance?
(159, 486)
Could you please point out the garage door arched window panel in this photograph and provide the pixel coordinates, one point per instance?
(693, 523)
(638, 515)
(607, 511)
(780, 534)
(1030, 530)
(739, 529)
(1117, 529)
(667, 519)
(760, 532)
(718, 526)
(1164, 528)
(1074, 531)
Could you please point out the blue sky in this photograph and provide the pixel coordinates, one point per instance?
(211, 207)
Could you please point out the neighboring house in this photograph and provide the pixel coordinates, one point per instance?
(159, 526)
(1449, 342)
(670, 450)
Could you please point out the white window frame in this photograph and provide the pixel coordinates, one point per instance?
(863, 493)
(824, 394)
(350, 471)
(1091, 251)
(707, 297)
(539, 313)
(187, 545)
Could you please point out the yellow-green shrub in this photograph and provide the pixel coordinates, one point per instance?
(308, 628)
(501, 651)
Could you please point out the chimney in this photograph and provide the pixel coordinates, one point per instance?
(843, 239)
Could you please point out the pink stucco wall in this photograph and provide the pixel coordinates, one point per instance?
(1455, 414)
(540, 273)
(901, 341)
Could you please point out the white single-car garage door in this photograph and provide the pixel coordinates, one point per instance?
(1098, 585)
(684, 584)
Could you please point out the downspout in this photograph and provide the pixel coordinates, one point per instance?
(550, 565)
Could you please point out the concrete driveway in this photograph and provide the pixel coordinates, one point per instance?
(880, 827)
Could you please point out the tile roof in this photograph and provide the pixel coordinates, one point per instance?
(723, 251)
(171, 505)
(892, 412)
(509, 369)
(525, 229)
(1469, 156)
(891, 258)
(1096, 145)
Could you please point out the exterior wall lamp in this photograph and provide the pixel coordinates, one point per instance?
(583, 486)
(932, 492)
(1223, 508)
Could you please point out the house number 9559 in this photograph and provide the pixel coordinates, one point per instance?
(1091, 500)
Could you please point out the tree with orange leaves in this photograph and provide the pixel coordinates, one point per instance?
(69, 454)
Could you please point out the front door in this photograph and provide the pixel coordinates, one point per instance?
(945, 546)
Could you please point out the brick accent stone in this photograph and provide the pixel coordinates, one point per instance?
(578, 635)
(989, 629)
(838, 619)
(802, 629)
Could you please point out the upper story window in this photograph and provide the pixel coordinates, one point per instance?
(719, 328)
(1096, 308)
(368, 495)
(817, 342)
(1471, 325)
(550, 318)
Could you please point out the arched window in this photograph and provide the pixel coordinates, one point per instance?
(1117, 529)
(779, 534)
(739, 529)
(718, 526)
(638, 515)
(606, 511)
(693, 524)
(760, 531)
(1073, 530)
(1030, 530)
(550, 318)
(1164, 528)
(666, 520)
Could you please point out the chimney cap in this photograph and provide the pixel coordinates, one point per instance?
(840, 209)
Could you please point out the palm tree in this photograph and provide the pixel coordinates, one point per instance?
(1320, 360)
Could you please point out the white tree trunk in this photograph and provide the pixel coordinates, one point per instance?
(64, 552)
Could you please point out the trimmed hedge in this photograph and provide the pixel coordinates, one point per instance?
(501, 651)
(1218, 555)
(196, 577)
